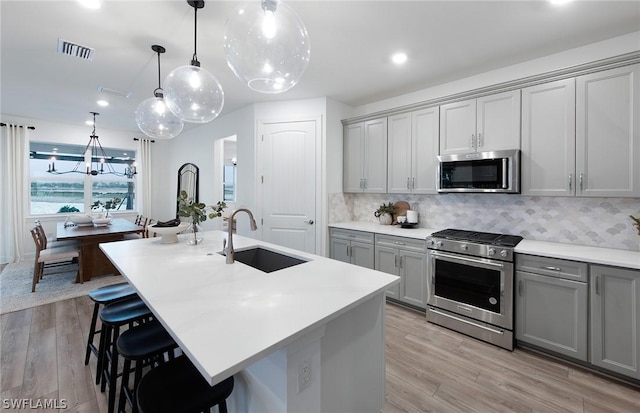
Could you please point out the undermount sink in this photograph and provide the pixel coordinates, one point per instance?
(265, 260)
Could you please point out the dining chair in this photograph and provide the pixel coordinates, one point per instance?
(54, 243)
(52, 257)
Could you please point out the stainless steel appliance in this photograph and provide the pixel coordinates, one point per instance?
(497, 171)
(470, 279)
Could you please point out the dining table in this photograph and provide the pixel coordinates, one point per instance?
(94, 262)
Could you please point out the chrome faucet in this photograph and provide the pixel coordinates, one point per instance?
(229, 248)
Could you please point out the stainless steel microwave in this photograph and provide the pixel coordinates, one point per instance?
(493, 172)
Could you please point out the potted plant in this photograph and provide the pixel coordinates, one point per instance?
(636, 222)
(197, 212)
(384, 213)
(112, 203)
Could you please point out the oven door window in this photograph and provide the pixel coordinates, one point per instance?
(478, 174)
(463, 283)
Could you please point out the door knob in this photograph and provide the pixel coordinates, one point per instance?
(310, 222)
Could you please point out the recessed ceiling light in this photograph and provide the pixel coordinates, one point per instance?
(399, 58)
(102, 103)
(91, 4)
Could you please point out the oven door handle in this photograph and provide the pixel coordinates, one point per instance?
(458, 258)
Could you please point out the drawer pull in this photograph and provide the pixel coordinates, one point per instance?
(399, 243)
(597, 285)
(552, 268)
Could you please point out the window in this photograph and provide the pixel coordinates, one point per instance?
(75, 192)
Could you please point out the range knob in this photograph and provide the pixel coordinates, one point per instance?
(491, 252)
(439, 244)
(503, 253)
(430, 242)
(464, 247)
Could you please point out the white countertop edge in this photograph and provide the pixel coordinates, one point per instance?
(584, 253)
(590, 254)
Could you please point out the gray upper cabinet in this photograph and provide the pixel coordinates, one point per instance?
(551, 305)
(549, 139)
(489, 123)
(365, 156)
(412, 152)
(608, 133)
(615, 319)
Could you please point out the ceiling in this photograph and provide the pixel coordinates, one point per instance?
(351, 44)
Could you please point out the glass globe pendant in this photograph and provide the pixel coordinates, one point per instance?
(152, 115)
(267, 46)
(190, 92)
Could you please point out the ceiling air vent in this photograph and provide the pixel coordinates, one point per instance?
(73, 49)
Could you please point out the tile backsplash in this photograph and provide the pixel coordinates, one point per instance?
(601, 222)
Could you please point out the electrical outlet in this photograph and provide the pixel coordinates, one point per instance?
(304, 374)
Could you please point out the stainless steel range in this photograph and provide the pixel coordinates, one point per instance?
(470, 277)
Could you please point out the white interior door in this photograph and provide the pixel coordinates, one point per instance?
(288, 158)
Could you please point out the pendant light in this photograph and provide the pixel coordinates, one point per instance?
(190, 92)
(267, 46)
(152, 115)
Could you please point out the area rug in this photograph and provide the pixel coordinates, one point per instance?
(15, 286)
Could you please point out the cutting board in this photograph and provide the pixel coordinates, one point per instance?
(401, 210)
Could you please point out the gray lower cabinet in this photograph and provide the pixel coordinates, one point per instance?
(354, 247)
(615, 319)
(551, 304)
(407, 258)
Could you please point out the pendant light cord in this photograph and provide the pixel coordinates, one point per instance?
(194, 59)
(159, 84)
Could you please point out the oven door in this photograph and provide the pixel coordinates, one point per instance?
(478, 288)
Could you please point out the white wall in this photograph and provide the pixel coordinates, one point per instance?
(590, 53)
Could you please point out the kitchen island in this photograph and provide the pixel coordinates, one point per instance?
(308, 338)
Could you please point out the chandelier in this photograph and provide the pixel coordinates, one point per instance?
(99, 162)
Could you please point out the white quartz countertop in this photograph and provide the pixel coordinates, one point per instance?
(227, 316)
(594, 255)
(417, 233)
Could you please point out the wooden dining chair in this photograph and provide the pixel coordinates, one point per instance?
(54, 256)
(54, 243)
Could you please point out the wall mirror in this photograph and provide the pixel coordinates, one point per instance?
(229, 172)
(188, 180)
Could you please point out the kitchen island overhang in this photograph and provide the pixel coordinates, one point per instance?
(232, 319)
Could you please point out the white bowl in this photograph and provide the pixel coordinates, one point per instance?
(101, 221)
(81, 219)
(168, 235)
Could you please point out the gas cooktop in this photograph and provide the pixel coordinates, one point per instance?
(479, 237)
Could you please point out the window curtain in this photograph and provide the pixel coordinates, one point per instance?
(144, 177)
(14, 184)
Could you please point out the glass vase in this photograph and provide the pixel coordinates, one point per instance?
(194, 232)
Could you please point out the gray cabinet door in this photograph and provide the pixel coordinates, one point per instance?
(615, 319)
(413, 270)
(387, 261)
(362, 254)
(339, 249)
(551, 313)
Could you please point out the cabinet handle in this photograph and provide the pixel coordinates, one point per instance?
(408, 184)
(400, 261)
(364, 183)
(520, 287)
(581, 188)
(473, 137)
(597, 285)
(348, 253)
(479, 140)
(551, 268)
(570, 181)
(413, 183)
(395, 261)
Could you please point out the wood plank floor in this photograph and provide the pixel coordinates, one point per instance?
(429, 369)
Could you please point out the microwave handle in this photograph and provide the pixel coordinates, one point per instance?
(505, 165)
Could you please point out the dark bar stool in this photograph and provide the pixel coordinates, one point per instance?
(178, 387)
(145, 344)
(113, 316)
(102, 296)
